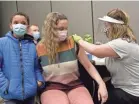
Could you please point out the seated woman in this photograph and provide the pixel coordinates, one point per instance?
(57, 53)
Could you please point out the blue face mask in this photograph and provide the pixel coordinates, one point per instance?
(36, 35)
(19, 29)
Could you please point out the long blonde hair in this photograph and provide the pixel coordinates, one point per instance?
(120, 30)
(49, 32)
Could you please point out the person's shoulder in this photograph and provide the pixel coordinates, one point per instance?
(41, 48)
(71, 40)
(3, 39)
(40, 45)
(119, 41)
(120, 45)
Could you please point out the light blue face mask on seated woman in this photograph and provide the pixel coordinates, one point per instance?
(19, 29)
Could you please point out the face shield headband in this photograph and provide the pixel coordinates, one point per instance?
(111, 20)
(102, 33)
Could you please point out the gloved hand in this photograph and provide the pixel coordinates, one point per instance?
(76, 38)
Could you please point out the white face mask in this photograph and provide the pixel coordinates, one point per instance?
(19, 29)
(62, 35)
(36, 35)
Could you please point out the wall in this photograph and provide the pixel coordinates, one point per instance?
(78, 13)
(36, 10)
(7, 8)
(82, 15)
(100, 8)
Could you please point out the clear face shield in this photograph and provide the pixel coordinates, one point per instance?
(103, 29)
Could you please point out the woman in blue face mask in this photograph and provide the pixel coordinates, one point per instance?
(19, 69)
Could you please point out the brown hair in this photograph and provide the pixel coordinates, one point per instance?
(21, 14)
(49, 31)
(120, 30)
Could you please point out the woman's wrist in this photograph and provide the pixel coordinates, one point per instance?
(101, 83)
(80, 41)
